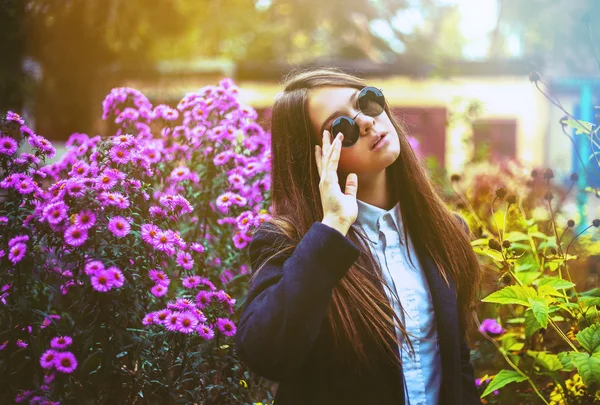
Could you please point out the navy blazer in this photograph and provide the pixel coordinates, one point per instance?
(284, 335)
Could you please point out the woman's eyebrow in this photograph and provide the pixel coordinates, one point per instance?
(336, 113)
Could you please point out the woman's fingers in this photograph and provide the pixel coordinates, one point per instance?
(318, 158)
(326, 142)
(351, 184)
(334, 155)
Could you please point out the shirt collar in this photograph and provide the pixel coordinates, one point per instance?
(369, 216)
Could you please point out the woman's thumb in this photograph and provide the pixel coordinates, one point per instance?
(351, 184)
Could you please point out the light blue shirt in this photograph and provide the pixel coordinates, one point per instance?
(407, 285)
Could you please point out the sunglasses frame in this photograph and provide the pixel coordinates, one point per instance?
(352, 120)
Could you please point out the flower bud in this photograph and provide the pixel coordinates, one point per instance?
(506, 244)
(570, 223)
(548, 174)
(534, 173)
(455, 178)
(596, 222)
(501, 192)
(574, 177)
(548, 196)
(511, 199)
(534, 77)
(494, 244)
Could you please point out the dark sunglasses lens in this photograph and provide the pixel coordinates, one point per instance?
(371, 101)
(346, 126)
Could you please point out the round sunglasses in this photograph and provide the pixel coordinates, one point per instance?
(371, 102)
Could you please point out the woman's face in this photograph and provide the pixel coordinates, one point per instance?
(327, 103)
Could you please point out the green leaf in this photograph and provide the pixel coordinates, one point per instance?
(590, 301)
(501, 379)
(557, 283)
(589, 338)
(531, 323)
(527, 277)
(589, 369)
(516, 236)
(538, 235)
(581, 127)
(548, 361)
(539, 307)
(567, 361)
(513, 294)
(548, 291)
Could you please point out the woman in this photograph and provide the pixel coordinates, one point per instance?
(339, 310)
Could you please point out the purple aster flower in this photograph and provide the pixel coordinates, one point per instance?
(85, 219)
(491, 327)
(56, 212)
(197, 247)
(65, 362)
(180, 173)
(17, 252)
(25, 185)
(116, 277)
(106, 180)
(184, 259)
(187, 322)
(48, 378)
(93, 267)
(8, 146)
(120, 155)
(102, 281)
(225, 200)
(163, 241)
(119, 226)
(159, 277)
(13, 116)
(205, 331)
(42, 144)
(124, 141)
(226, 326)
(239, 241)
(23, 396)
(244, 220)
(79, 169)
(153, 155)
(148, 319)
(159, 290)
(203, 299)
(75, 236)
(184, 304)
(191, 282)
(21, 344)
(61, 342)
(76, 188)
(18, 239)
(156, 212)
(162, 315)
(149, 232)
(172, 321)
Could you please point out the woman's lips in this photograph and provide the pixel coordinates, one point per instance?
(380, 141)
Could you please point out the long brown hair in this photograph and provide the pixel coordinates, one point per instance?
(358, 301)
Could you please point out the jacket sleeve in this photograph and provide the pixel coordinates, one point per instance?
(288, 299)
(470, 394)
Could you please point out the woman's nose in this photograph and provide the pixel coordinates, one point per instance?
(364, 123)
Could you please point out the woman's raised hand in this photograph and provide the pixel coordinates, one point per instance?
(340, 209)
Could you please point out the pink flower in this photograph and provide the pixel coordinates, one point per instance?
(8, 146)
(226, 326)
(197, 247)
(163, 241)
(93, 267)
(159, 290)
(191, 281)
(21, 344)
(161, 315)
(205, 331)
(203, 299)
(148, 319)
(149, 233)
(56, 212)
(172, 321)
(119, 226)
(159, 277)
(65, 362)
(75, 236)
(116, 277)
(120, 155)
(185, 260)
(17, 252)
(102, 281)
(61, 342)
(187, 322)
(85, 219)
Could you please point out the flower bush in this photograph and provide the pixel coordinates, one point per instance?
(123, 262)
(542, 332)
